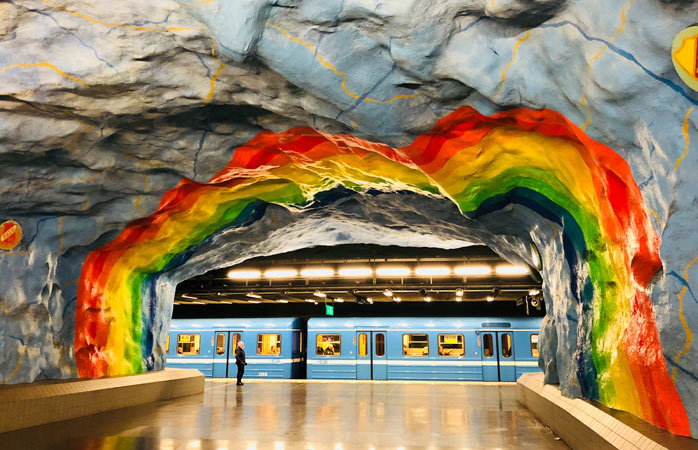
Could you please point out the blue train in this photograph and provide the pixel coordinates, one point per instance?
(417, 348)
(273, 347)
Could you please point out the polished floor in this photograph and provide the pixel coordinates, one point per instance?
(307, 415)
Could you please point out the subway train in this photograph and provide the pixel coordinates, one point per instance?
(360, 348)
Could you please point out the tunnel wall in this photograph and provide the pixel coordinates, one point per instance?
(111, 120)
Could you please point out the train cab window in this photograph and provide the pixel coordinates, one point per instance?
(506, 345)
(451, 345)
(487, 345)
(188, 344)
(534, 345)
(363, 344)
(268, 344)
(237, 337)
(328, 345)
(380, 344)
(220, 344)
(415, 345)
(167, 348)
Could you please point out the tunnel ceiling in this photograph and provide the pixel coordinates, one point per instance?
(129, 130)
(318, 275)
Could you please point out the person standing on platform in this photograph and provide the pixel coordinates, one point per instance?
(240, 361)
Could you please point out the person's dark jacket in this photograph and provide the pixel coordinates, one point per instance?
(240, 356)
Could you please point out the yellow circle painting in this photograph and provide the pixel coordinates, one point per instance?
(684, 53)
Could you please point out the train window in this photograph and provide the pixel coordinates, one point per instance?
(506, 345)
(167, 349)
(328, 345)
(220, 344)
(188, 344)
(534, 345)
(488, 345)
(234, 344)
(415, 345)
(380, 344)
(268, 344)
(451, 345)
(363, 344)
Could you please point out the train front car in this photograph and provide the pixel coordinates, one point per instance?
(418, 348)
(274, 347)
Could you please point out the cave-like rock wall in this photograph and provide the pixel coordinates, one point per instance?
(109, 110)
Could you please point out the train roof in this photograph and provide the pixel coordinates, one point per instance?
(326, 323)
(269, 323)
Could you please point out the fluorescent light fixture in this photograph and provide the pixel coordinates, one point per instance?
(282, 301)
(253, 295)
(472, 270)
(388, 293)
(533, 292)
(397, 299)
(512, 270)
(226, 303)
(432, 271)
(459, 292)
(310, 300)
(244, 274)
(317, 272)
(191, 297)
(370, 300)
(355, 271)
(319, 294)
(253, 301)
(459, 299)
(339, 300)
(198, 303)
(427, 299)
(281, 273)
(490, 298)
(393, 271)
(535, 256)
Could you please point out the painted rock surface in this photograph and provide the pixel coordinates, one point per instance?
(145, 142)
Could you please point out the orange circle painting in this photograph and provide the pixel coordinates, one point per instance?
(10, 235)
(684, 53)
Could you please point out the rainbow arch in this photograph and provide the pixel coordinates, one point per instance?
(537, 159)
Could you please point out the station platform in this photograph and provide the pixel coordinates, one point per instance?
(304, 414)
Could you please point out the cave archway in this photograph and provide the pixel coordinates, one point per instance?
(530, 167)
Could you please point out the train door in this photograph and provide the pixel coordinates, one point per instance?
(371, 360)
(224, 354)
(497, 356)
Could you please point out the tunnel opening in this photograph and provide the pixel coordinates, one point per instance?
(511, 181)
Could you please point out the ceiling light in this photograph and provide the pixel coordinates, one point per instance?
(339, 300)
(388, 293)
(459, 299)
(253, 301)
(393, 271)
(253, 295)
(533, 292)
(459, 292)
(247, 274)
(310, 300)
(198, 303)
(369, 299)
(432, 271)
(427, 299)
(191, 297)
(319, 294)
(535, 256)
(355, 272)
(472, 270)
(282, 301)
(226, 303)
(281, 273)
(512, 270)
(397, 299)
(317, 272)
(490, 298)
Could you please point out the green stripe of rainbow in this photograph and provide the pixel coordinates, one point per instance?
(536, 158)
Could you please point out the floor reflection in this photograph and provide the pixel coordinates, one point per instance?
(284, 415)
